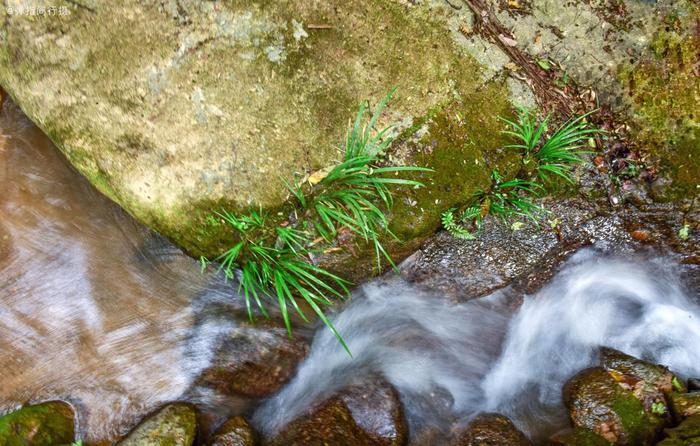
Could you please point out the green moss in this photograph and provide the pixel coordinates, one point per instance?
(46, 424)
(463, 144)
(640, 426)
(665, 91)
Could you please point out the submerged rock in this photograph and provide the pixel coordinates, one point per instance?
(234, 432)
(253, 363)
(490, 429)
(622, 411)
(685, 434)
(46, 424)
(685, 404)
(173, 425)
(360, 415)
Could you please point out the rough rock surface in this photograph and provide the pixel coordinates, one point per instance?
(234, 432)
(685, 434)
(173, 425)
(253, 363)
(215, 100)
(685, 404)
(46, 424)
(490, 429)
(618, 409)
(363, 415)
(657, 375)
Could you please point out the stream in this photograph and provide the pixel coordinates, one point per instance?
(96, 310)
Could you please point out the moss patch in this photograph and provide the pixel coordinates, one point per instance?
(665, 92)
(46, 424)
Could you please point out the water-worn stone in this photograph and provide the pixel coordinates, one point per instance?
(659, 376)
(685, 434)
(173, 425)
(360, 415)
(253, 363)
(234, 432)
(490, 429)
(46, 424)
(578, 437)
(685, 404)
(623, 411)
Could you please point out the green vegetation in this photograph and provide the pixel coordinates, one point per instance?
(273, 260)
(544, 157)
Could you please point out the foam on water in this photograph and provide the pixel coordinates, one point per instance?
(450, 362)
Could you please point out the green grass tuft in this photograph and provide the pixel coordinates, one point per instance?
(273, 262)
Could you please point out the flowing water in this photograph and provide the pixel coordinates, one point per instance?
(93, 308)
(96, 310)
(477, 357)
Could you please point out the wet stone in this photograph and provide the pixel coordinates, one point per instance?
(234, 432)
(685, 434)
(490, 429)
(622, 410)
(685, 404)
(173, 425)
(623, 364)
(361, 415)
(46, 424)
(578, 437)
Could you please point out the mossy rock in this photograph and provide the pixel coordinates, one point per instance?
(685, 404)
(234, 432)
(173, 425)
(490, 429)
(46, 424)
(179, 109)
(685, 434)
(618, 411)
(663, 89)
(578, 437)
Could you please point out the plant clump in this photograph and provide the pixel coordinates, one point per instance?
(274, 260)
(545, 157)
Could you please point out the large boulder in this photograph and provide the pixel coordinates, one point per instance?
(177, 109)
(46, 424)
(359, 415)
(490, 429)
(173, 425)
(623, 411)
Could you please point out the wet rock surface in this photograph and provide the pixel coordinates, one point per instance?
(624, 365)
(685, 434)
(578, 437)
(490, 429)
(234, 432)
(173, 425)
(527, 258)
(359, 415)
(685, 404)
(253, 362)
(46, 424)
(621, 411)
